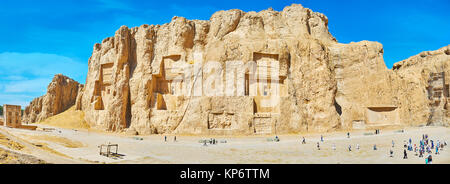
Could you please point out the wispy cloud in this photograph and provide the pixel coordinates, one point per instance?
(16, 99)
(27, 86)
(24, 76)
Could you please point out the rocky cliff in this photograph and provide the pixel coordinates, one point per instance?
(145, 79)
(61, 94)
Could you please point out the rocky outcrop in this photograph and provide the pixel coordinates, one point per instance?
(61, 94)
(424, 87)
(145, 80)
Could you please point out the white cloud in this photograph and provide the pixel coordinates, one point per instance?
(22, 100)
(25, 76)
(28, 86)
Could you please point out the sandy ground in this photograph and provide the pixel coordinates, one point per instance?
(81, 146)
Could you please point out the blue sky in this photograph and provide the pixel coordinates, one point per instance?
(42, 38)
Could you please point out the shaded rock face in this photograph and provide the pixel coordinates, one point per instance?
(61, 94)
(323, 85)
(374, 96)
(424, 87)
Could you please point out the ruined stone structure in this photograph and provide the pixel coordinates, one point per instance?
(13, 116)
(61, 94)
(147, 79)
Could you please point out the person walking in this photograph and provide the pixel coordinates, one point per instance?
(415, 149)
(318, 146)
(175, 139)
(165, 138)
(304, 140)
(432, 144)
(405, 155)
(321, 138)
(392, 143)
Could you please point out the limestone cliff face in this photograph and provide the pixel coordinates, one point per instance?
(423, 87)
(133, 85)
(61, 94)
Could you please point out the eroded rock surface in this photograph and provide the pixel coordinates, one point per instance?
(134, 85)
(61, 94)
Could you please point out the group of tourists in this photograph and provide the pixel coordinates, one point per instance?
(426, 146)
(211, 141)
(174, 139)
(377, 131)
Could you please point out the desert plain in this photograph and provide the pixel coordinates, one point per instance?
(80, 146)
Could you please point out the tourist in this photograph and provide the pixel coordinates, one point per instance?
(349, 147)
(437, 150)
(374, 147)
(357, 146)
(321, 138)
(165, 138)
(392, 143)
(175, 139)
(391, 153)
(318, 146)
(304, 140)
(348, 134)
(405, 155)
(430, 159)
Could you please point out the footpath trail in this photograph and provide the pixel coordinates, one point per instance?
(40, 153)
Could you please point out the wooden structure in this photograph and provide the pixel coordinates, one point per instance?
(108, 152)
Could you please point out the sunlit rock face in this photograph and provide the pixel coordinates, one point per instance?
(61, 94)
(209, 77)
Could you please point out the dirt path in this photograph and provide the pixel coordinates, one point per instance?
(42, 154)
(236, 149)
